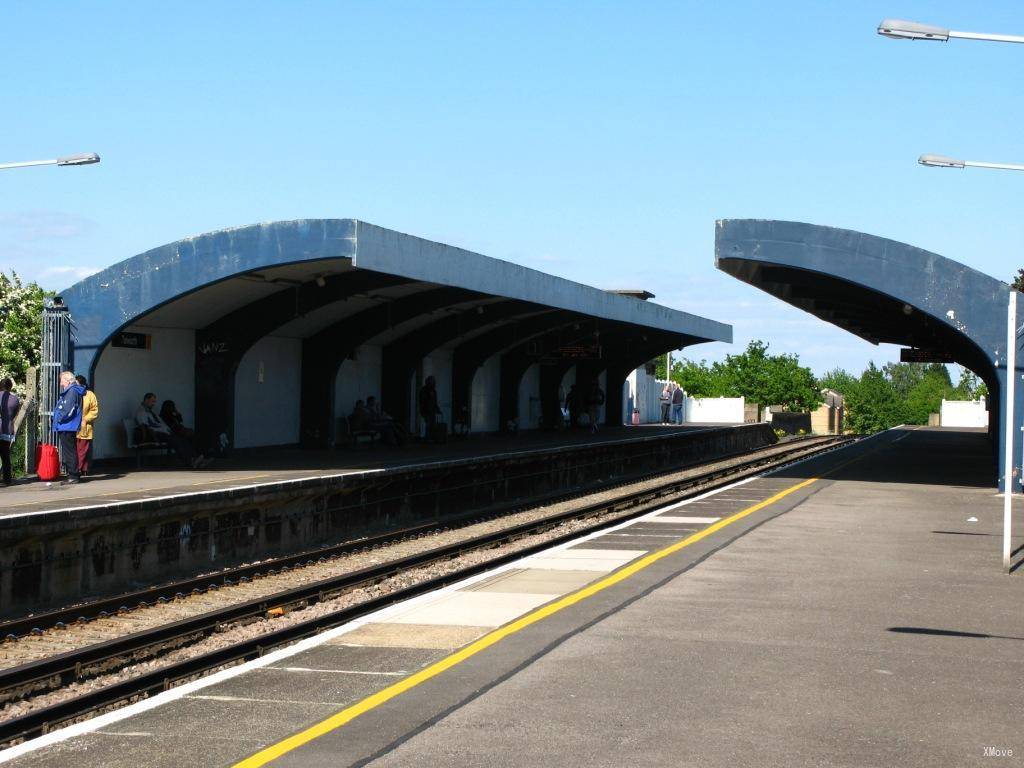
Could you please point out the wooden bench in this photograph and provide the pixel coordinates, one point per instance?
(139, 448)
(344, 434)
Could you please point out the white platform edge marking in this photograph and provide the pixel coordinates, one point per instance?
(673, 519)
(94, 724)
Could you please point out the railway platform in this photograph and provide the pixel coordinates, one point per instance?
(111, 535)
(845, 610)
(161, 477)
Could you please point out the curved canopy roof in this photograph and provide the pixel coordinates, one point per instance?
(878, 289)
(323, 270)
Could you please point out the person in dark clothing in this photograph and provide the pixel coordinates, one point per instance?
(429, 409)
(666, 403)
(383, 423)
(359, 419)
(9, 406)
(572, 405)
(677, 404)
(156, 430)
(170, 416)
(67, 420)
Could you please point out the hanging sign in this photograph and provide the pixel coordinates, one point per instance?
(924, 356)
(128, 340)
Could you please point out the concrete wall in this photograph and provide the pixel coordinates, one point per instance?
(267, 387)
(714, 410)
(790, 422)
(357, 379)
(642, 391)
(827, 420)
(529, 398)
(123, 376)
(963, 413)
(486, 390)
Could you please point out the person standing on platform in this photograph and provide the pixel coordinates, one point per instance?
(67, 420)
(9, 405)
(90, 412)
(677, 404)
(572, 405)
(666, 402)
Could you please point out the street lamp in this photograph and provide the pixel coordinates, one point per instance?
(899, 29)
(941, 161)
(1012, 333)
(86, 158)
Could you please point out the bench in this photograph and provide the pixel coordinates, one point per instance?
(138, 448)
(344, 433)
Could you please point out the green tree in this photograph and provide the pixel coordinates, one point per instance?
(873, 405)
(771, 379)
(838, 380)
(970, 387)
(21, 307)
(659, 367)
(926, 396)
(903, 376)
(1018, 281)
(701, 379)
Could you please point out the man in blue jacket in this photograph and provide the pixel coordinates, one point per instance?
(67, 419)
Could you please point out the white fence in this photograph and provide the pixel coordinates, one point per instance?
(714, 410)
(963, 413)
(642, 392)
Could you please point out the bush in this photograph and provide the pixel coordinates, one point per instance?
(18, 455)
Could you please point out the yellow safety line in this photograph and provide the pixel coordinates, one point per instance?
(350, 713)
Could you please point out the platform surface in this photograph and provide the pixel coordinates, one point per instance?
(163, 477)
(842, 612)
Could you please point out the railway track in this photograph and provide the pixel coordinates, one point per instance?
(50, 651)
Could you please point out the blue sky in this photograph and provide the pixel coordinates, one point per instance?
(598, 141)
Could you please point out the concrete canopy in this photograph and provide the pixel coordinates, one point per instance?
(334, 284)
(878, 289)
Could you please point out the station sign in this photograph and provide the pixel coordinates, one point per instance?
(129, 340)
(910, 355)
(575, 352)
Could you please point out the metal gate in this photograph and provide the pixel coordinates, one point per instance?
(56, 357)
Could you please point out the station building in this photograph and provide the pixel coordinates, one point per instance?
(269, 333)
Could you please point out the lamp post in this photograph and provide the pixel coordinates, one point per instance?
(86, 158)
(900, 29)
(1012, 332)
(941, 161)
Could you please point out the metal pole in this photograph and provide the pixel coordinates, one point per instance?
(26, 164)
(996, 166)
(986, 36)
(1011, 376)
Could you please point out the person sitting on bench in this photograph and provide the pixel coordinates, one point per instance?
(389, 429)
(359, 419)
(155, 430)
